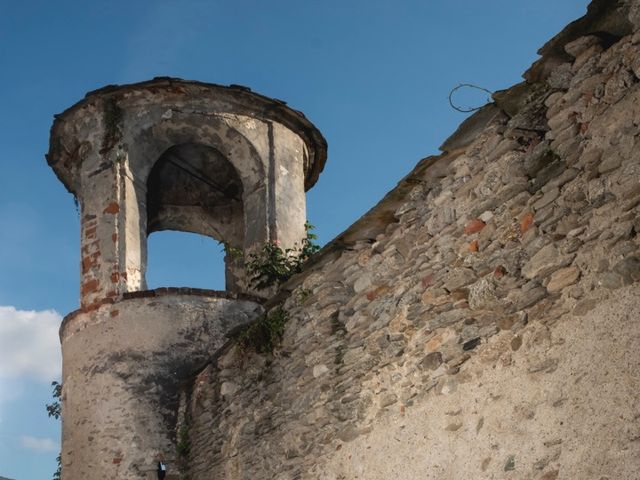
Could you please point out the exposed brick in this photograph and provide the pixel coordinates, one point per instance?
(89, 261)
(375, 293)
(90, 286)
(90, 233)
(526, 222)
(112, 208)
(474, 226)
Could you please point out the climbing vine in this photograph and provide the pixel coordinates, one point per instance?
(54, 410)
(263, 335)
(111, 116)
(273, 266)
(183, 446)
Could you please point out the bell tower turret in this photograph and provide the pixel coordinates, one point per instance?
(166, 154)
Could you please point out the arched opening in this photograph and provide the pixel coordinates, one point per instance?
(184, 259)
(194, 188)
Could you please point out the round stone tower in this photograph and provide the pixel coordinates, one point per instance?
(166, 154)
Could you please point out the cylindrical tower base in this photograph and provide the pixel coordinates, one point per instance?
(123, 365)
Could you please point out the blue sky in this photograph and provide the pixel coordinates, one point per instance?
(372, 75)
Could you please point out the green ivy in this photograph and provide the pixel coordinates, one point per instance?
(112, 116)
(233, 252)
(302, 294)
(263, 335)
(54, 410)
(273, 266)
(184, 445)
(57, 475)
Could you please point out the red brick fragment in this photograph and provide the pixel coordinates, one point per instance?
(112, 208)
(115, 312)
(473, 246)
(85, 308)
(116, 461)
(90, 232)
(90, 286)
(474, 226)
(526, 222)
(88, 263)
(375, 293)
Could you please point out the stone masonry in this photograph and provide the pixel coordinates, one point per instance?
(167, 154)
(481, 322)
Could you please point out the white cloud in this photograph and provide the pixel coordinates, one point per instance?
(39, 444)
(29, 345)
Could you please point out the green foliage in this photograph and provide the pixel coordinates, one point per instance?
(184, 444)
(233, 252)
(57, 475)
(302, 294)
(309, 246)
(112, 117)
(273, 266)
(54, 409)
(264, 334)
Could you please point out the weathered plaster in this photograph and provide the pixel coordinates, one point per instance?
(123, 366)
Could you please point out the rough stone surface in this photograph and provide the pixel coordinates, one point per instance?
(408, 353)
(563, 278)
(576, 421)
(496, 339)
(123, 367)
(166, 154)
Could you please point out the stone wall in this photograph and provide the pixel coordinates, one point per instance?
(123, 366)
(481, 321)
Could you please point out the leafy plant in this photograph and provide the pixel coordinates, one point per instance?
(302, 294)
(112, 115)
(54, 409)
(264, 334)
(57, 475)
(309, 246)
(184, 445)
(273, 266)
(233, 252)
